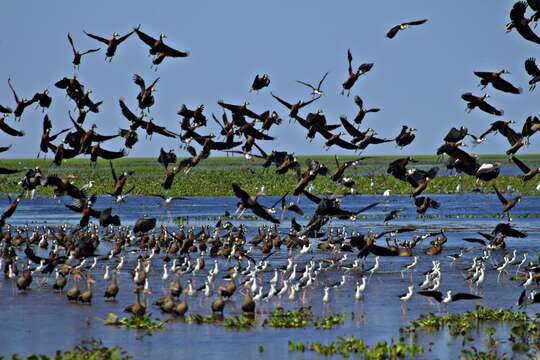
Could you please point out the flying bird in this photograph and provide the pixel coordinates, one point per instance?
(354, 75)
(158, 48)
(77, 56)
(533, 71)
(394, 30)
(315, 91)
(480, 102)
(112, 44)
(250, 202)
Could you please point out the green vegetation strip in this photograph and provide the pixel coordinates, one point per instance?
(215, 176)
(89, 350)
(524, 336)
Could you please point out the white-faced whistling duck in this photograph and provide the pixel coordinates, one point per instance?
(315, 91)
(158, 48)
(112, 44)
(397, 28)
(354, 75)
(77, 56)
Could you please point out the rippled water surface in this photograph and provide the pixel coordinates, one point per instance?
(43, 321)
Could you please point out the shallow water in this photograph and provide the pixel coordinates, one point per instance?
(42, 321)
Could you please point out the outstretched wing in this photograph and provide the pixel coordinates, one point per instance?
(520, 164)
(147, 39)
(98, 38)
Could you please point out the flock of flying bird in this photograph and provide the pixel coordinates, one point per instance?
(94, 250)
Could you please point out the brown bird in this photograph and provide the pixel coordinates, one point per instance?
(85, 297)
(8, 129)
(63, 186)
(149, 126)
(158, 48)
(354, 75)
(480, 102)
(96, 151)
(423, 203)
(145, 96)
(77, 56)
(21, 102)
(43, 99)
(73, 293)
(112, 44)
(528, 172)
(294, 108)
(495, 79)
(392, 215)
(250, 202)
(507, 204)
(519, 22)
(397, 28)
(361, 110)
(533, 71)
(119, 181)
(405, 137)
(260, 81)
(169, 178)
(113, 288)
(218, 305)
(61, 152)
(46, 137)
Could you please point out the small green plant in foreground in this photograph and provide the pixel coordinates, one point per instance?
(88, 350)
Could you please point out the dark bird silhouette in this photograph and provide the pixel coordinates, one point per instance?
(342, 167)
(166, 158)
(394, 30)
(169, 178)
(46, 137)
(260, 82)
(63, 186)
(361, 114)
(519, 22)
(354, 75)
(144, 225)
(5, 109)
(112, 44)
(77, 56)
(507, 204)
(294, 108)
(527, 171)
(22, 103)
(145, 96)
(515, 139)
(130, 137)
(158, 48)
(149, 125)
(119, 181)
(437, 295)
(495, 79)
(8, 129)
(315, 91)
(533, 71)
(250, 202)
(61, 153)
(84, 207)
(423, 203)
(480, 102)
(43, 99)
(405, 137)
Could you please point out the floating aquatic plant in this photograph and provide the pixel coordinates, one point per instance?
(300, 318)
(134, 322)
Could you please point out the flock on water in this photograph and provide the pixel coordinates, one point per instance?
(99, 251)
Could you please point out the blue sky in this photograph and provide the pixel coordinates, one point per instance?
(417, 79)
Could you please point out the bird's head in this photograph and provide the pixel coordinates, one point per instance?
(115, 35)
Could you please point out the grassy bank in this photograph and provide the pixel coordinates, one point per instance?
(215, 175)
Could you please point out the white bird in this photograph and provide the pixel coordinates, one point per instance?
(375, 267)
(529, 281)
(106, 276)
(165, 275)
(410, 266)
(386, 192)
(326, 296)
(458, 188)
(275, 278)
(258, 296)
(120, 264)
(522, 262)
(360, 288)
(293, 273)
(305, 249)
(407, 296)
(292, 293)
